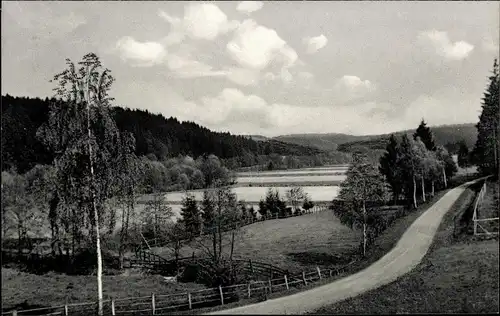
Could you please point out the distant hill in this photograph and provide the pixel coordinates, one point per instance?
(446, 135)
(328, 142)
(256, 137)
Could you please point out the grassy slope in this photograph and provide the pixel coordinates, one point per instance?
(457, 275)
(297, 243)
(383, 244)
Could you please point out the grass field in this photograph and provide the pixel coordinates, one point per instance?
(54, 289)
(456, 276)
(297, 243)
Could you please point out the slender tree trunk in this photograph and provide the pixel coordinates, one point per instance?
(232, 247)
(364, 218)
(364, 229)
(444, 178)
(414, 192)
(432, 188)
(94, 208)
(423, 190)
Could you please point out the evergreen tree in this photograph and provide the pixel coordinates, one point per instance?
(425, 135)
(208, 212)
(487, 147)
(389, 167)
(190, 215)
(407, 165)
(463, 155)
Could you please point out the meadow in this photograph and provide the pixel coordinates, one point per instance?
(296, 243)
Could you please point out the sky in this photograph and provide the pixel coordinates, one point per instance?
(268, 68)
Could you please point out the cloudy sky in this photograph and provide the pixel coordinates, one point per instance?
(267, 68)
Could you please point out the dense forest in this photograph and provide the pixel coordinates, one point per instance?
(158, 138)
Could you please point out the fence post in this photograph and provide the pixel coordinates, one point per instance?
(153, 303)
(304, 277)
(14, 313)
(65, 309)
(189, 301)
(113, 313)
(221, 295)
(286, 282)
(270, 286)
(249, 290)
(331, 273)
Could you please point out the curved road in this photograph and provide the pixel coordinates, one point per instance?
(405, 256)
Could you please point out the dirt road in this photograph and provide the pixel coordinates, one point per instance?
(405, 256)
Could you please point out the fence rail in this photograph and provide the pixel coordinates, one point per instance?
(477, 207)
(167, 303)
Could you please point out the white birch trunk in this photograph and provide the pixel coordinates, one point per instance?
(444, 178)
(423, 189)
(94, 207)
(414, 192)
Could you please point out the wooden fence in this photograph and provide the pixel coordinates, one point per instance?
(477, 207)
(161, 304)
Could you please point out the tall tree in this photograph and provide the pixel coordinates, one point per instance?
(487, 147)
(218, 269)
(83, 135)
(449, 168)
(425, 135)
(191, 215)
(408, 164)
(363, 183)
(389, 167)
(463, 155)
(420, 156)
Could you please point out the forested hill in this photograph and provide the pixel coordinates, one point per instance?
(446, 135)
(155, 135)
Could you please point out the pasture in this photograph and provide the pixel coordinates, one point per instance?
(296, 243)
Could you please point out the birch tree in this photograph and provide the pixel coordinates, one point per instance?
(363, 183)
(83, 136)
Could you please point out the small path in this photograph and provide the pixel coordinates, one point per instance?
(405, 256)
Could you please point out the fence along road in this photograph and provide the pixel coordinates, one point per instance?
(405, 256)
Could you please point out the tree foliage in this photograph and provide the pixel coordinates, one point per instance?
(487, 147)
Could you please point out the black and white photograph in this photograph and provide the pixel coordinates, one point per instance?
(250, 157)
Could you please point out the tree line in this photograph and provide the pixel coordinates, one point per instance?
(156, 138)
(411, 169)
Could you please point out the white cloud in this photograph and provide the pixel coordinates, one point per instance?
(217, 109)
(351, 87)
(314, 44)
(249, 6)
(200, 21)
(443, 46)
(140, 53)
(255, 46)
(186, 68)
